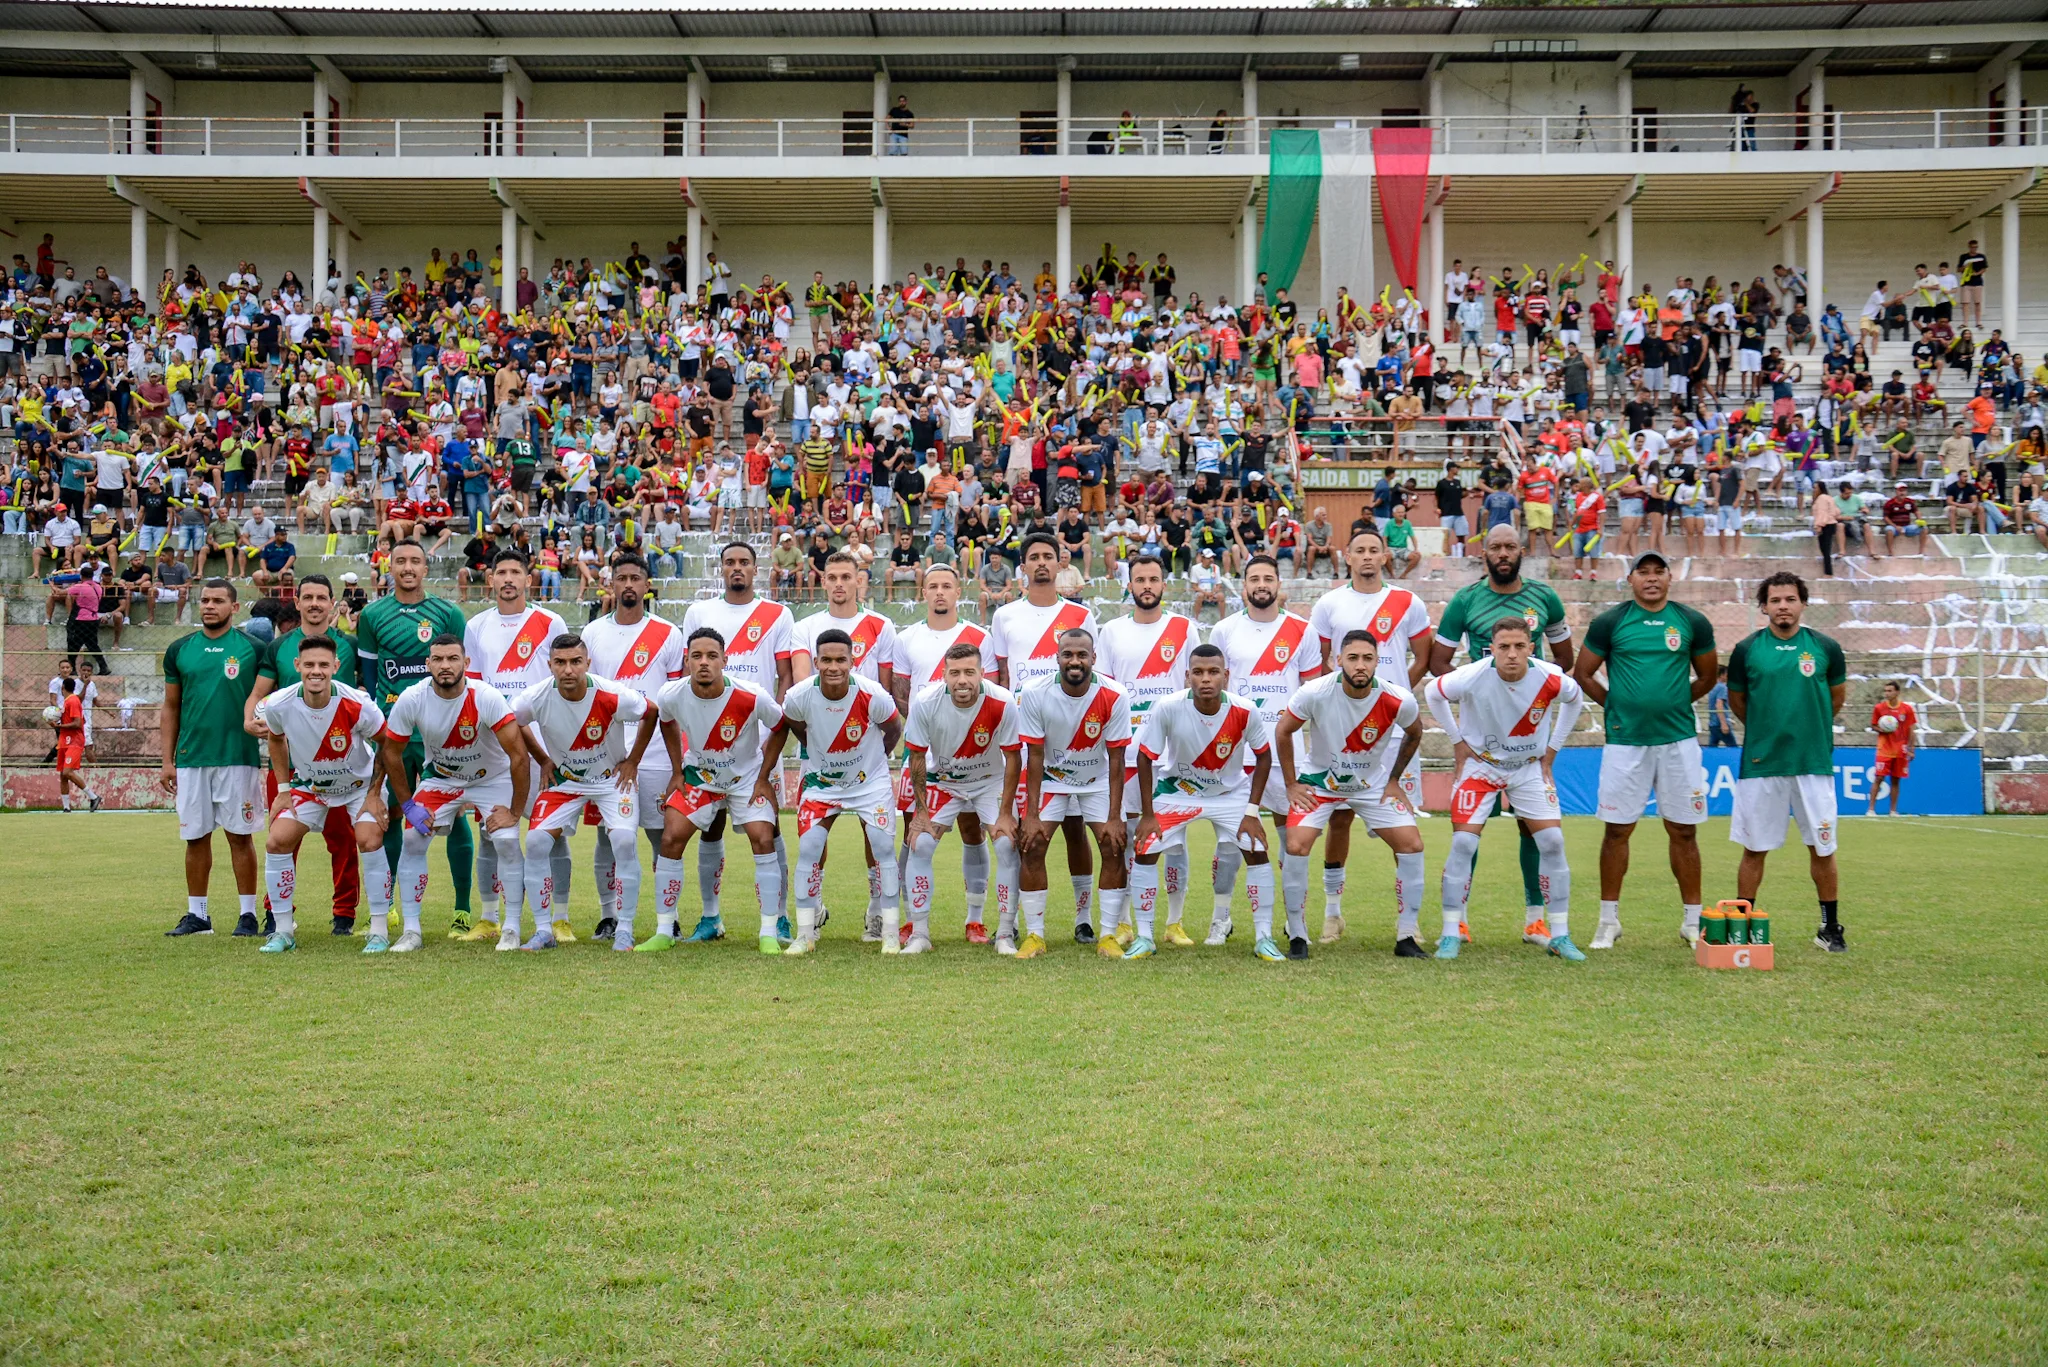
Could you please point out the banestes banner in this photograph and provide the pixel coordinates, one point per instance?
(1940, 782)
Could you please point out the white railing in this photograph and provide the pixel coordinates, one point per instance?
(1153, 136)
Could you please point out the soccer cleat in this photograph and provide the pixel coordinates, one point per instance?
(1297, 947)
(342, 925)
(891, 945)
(278, 944)
(977, 933)
(1033, 946)
(607, 926)
(1465, 932)
(245, 925)
(799, 946)
(1333, 929)
(563, 933)
(1563, 948)
(92, 802)
(409, 943)
(1109, 947)
(1084, 934)
(1448, 947)
(188, 924)
(1124, 934)
(1537, 932)
(1175, 937)
(622, 937)
(709, 928)
(1689, 936)
(871, 932)
(903, 934)
(478, 933)
(1220, 931)
(1141, 948)
(270, 923)
(1267, 950)
(769, 945)
(782, 929)
(508, 938)
(1606, 934)
(543, 938)
(1410, 948)
(461, 929)
(1006, 946)
(919, 944)
(1831, 939)
(658, 943)
(376, 944)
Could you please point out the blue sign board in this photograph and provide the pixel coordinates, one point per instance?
(1941, 782)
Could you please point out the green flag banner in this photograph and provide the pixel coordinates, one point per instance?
(1294, 179)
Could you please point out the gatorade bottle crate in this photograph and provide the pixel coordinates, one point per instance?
(1733, 935)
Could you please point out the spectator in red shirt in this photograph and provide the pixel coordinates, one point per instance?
(1588, 509)
(1901, 516)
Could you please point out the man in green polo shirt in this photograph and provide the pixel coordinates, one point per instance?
(391, 648)
(210, 763)
(1659, 656)
(1786, 684)
(280, 669)
(1468, 623)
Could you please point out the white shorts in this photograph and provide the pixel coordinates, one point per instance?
(227, 797)
(871, 804)
(1367, 805)
(1679, 384)
(1749, 362)
(447, 799)
(653, 788)
(1225, 813)
(757, 495)
(701, 806)
(1092, 808)
(732, 498)
(946, 803)
(310, 809)
(561, 808)
(1630, 773)
(1479, 782)
(1761, 805)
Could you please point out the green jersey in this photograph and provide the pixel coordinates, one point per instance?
(1790, 726)
(214, 675)
(1469, 617)
(1649, 670)
(391, 642)
(281, 664)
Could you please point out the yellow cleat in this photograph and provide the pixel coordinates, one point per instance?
(563, 934)
(1110, 946)
(1031, 947)
(1126, 933)
(478, 933)
(1175, 937)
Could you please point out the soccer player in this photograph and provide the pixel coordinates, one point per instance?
(631, 646)
(591, 733)
(716, 724)
(1660, 660)
(759, 637)
(1351, 716)
(475, 761)
(1270, 654)
(962, 736)
(1205, 735)
(392, 637)
(1509, 713)
(848, 724)
(1786, 683)
(507, 645)
(210, 761)
(1147, 652)
(1026, 638)
(1468, 624)
(70, 726)
(322, 738)
(922, 651)
(280, 669)
(1075, 726)
(1895, 721)
(1399, 622)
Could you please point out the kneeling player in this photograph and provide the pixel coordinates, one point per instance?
(581, 722)
(1075, 727)
(712, 726)
(1349, 715)
(1210, 733)
(962, 736)
(475, 761)
(321, 738)
(1509, 713)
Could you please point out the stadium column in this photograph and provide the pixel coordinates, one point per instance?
(1248, 234)
(509, 250)
(316, 285)
(881, 265)
(1063, 240)
(1432, 292)
(1816, 246)
(138, 250)
(174, 247)
(1063, 107)
(1624, 244)
(2009, 215)
(526, 249)
(693, 249)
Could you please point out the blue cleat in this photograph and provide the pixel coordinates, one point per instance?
(782, 935)
(278, 943)
(1269, 951)
(1448, 946)
(544, 938)
(1563, 948)
(709, 928)
(376, 944)
(1141, 948)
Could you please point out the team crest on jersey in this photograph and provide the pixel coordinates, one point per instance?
(466, 731)
(1280, 653)
(854, 731)
(1382, 624)
(1806, 664)
(1166, 651)
(860, 650)
(426, 632)
(1671, 641)
(523, 649)
(1529, 616)
(727, 732)
(1536, 714)
(231, 667)
(1223, 748)
(1368, 734)
(981, 735)
(640, 658)
(594, 732)
(338, 743)
(753, 631)
(1091, 728)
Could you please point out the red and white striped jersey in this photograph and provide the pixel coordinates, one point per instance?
(922, 651)
(1269, 662)
(586, 739)
(843, 752)
(1150, 659)
(333, 748)
(1025, 637)
(642, 655)
(460, 733)
(874, 640)
(1077, 733)
(1211, 753)
(1351, 741)
(962, 746)
(1505, 724)
(511, 653)
(1394, 616)
(757, 635)
(722, 735)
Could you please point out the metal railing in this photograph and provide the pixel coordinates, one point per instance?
(1150, 136)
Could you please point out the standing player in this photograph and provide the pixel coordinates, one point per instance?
(713, 724)
(1895, 722)
(392, 637)
(1509, 713)
(1270, 654)
(209, 759)
(507, 644)
(962, 739)
(1350, 715)
(923, 648)
(1468, 624)
(1660, 660)
(1026, 638)
(70, 726)
(1075, 726)
(631, 646)
(848, 724)
(1147, 652)
(759, 637)
(322, 738)
(475, 760)
(591, 733)
(1786, 683)
(1399, 622)
(280, 669)
(1209, 734)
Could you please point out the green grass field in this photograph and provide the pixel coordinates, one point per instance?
(713, 1157)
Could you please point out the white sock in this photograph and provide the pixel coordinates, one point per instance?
(66, 800)
(788, 883)
(1084, 897)
(625, 875)
(1610, 913)
(768, 889)
(1408, 877)
(1007, 895)
(1333, 891)
(196, 906)
(490, 887)
(546, 856)
(1174, 878)
(874, 889)
(1692, 918)
(1114, 901)
(974, 868)
(281, 878)
(919, 868)
(605, 866)
(511, 874)
(1294, 889)
(1144, 897)
(1034, 912)
(560, 867)
(1556, 876)
(1258, 894)
(252, 902)
(1457, 881)
(711, 875)
(668, 894)
(1223, 878)
(412, 875)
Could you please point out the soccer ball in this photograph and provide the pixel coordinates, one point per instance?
(1887, 724)
(52, 714)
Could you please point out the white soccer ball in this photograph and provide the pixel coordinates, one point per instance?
(52, 714)
(1887, 724)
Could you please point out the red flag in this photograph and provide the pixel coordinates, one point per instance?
(1400, 163)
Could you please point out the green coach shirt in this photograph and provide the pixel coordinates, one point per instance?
(281, 664)
(391, 642)
(1649, 670)
(214, 675)
(1790, 727)
(1469, 617)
